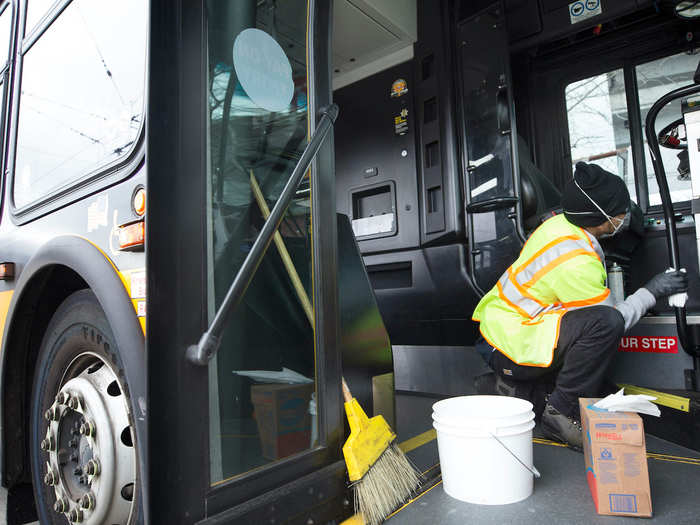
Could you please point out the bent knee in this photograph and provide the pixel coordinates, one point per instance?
(609, 319)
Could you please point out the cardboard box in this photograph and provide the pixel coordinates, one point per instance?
(282, 415)
(616, 461)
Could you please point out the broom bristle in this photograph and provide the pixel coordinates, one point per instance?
(386, 485)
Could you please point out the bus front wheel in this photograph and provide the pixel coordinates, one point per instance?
(83, 458)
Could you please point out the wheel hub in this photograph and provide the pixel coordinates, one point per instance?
(91, 460)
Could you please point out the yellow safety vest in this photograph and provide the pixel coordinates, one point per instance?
(559, 268)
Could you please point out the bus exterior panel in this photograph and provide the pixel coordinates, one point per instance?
(72, 172)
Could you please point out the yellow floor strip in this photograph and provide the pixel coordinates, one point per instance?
(666, 456)
(356, 519)
(541, 441)
(662, 398)
(651, 455)
(418, 441)
(412, 500)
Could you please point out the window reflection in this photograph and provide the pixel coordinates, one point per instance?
(82, 96)
(262, 380)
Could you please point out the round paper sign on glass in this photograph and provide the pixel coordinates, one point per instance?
(263, 70)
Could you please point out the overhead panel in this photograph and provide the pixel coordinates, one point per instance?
(356, 34)
(370, 36)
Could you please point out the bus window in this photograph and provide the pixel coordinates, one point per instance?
(598, 129)
(655, 79)
(82, 96)
(257, 129)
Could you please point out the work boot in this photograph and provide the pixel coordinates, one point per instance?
(558, 427)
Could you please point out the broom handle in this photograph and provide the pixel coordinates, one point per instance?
(284, 253)
(289, 266)
(346, 392)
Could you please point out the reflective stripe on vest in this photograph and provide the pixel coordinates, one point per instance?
(521, 315)
(513, 285)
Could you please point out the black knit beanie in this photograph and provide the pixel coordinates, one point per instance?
(606, 189)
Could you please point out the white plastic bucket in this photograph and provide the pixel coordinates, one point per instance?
(476, 467)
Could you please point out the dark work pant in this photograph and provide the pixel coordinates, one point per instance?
(588, 340)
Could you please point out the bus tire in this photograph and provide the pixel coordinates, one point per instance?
(82, 452)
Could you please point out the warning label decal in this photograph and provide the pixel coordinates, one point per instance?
(654, 345)
(584, 9)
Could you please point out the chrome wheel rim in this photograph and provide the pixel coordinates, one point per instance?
(90, 456)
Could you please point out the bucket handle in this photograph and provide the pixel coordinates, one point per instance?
(532, 469)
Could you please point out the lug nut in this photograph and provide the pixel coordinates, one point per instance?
(51, 477)
(60, 506)
(75, 516)
(78, 471)
(52, 414)
(93, 467)
(74, 403)
(73, 443)
(88, 501)
(74, 458)
(62, 398)
(87, 429)
(48, 444)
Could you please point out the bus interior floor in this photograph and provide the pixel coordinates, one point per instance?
(560, 496)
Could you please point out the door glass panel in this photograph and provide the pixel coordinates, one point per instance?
(655, 79)
(598, 125)
(262, 382)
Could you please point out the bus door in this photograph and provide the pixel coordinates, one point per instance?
(249, 429)
(489, 137)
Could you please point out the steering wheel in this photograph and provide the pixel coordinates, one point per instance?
(669, 136)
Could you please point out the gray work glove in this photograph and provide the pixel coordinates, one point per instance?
(665, 284)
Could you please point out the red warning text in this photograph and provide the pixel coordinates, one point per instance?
(655, 345)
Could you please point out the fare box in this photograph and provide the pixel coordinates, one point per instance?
(615, 451)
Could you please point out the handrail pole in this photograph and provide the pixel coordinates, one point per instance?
(202, 352)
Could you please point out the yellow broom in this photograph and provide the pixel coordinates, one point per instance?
(381, 475)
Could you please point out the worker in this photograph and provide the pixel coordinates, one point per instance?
(550, 318)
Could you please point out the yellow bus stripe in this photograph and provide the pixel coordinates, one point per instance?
(5, 299)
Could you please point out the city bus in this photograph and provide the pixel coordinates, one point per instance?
(212, 211)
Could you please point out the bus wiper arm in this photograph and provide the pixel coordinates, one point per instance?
(202, 352)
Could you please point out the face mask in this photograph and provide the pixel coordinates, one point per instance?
(622, 224)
